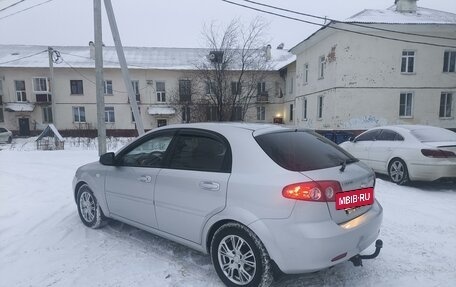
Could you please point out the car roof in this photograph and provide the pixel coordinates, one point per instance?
(405, 127)
(257, 128)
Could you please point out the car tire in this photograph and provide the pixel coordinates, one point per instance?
(10, 139)
(239, 257)
(398, 172)
(88, 208)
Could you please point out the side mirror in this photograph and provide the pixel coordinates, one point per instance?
(107, 159)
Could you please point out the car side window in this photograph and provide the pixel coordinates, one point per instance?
(2, 130)
(147, 154)
(387, 135)
(199, 152)
(368, 136)
(398, 137)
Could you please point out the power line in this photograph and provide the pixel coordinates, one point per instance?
(337, 28)
(26, 9)
(348, 23)
(90, 80)
(12, 5)
(104, 61)
(24, 57)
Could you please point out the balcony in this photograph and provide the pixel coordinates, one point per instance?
(263, 97)
(43, 98)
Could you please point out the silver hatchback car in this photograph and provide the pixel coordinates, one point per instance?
(255, 197)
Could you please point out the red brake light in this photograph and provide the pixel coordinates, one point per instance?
(437, 153)
(320, 191)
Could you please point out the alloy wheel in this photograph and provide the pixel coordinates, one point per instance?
(87, 206)
(236, 259)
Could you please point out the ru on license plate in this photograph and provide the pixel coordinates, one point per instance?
(354, 198)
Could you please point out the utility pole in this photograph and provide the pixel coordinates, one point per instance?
(52, 83)
(101, 125)
(123, 66)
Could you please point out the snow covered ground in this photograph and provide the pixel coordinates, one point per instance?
(43, 242)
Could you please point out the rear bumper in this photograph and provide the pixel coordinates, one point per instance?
(298, 247)
(428, 172)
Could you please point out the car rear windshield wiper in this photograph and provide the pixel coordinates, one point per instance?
(344, 163)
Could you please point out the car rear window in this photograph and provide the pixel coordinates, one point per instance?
(434, 135)
(302, 150)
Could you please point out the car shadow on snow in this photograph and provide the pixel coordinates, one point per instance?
(439, 185)
(196, 262)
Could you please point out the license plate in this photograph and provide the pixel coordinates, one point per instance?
(354, 198)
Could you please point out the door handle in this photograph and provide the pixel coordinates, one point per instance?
(209, 185)
(145, 178)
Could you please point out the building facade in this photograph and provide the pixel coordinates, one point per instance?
(393, 66)
(159, 76)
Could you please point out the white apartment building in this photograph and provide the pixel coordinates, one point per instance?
(158, 75)
(379, 73)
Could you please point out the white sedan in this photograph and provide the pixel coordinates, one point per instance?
(407, 152)
(5, 135)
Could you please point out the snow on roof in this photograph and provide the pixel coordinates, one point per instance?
(49, 131)
(161, 110)
(391, 16)
(20, 107)
(137, 57)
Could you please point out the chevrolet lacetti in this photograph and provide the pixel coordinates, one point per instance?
(257, 198)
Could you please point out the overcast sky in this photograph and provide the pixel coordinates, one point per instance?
(168, 23)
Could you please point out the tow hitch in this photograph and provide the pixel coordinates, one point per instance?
(357, 260)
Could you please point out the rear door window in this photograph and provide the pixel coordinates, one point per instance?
(200, 151)
(368, 136)
(302, 150)
(389, 135)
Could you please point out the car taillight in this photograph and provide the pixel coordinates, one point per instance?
(320, 191)
(437, 153)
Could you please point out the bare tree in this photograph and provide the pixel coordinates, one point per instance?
(237, 62)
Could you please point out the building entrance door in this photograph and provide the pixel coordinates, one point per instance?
(24, 127)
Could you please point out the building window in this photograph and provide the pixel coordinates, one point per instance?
(79, 115)
(405, 105)
(21, 95)
(212, 114)
(305, 74)
(210, 88)
(47, 114)
(1, 92)
(160, 89)
(162, 122)
(261, 113)
(76, 87)
(235, 88)
(290, 87)
(135, 85)
(304, 109)
(449, 61)
(185, 90)
(291, 112)
(261, 88)
(320, 107)
(133, 116)
(237, 113)
(408, 62)
(185, 114)
(2, 118)
(107, 87)
(40, 85)
(109, 115)
(321, 67)
(446, 103)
